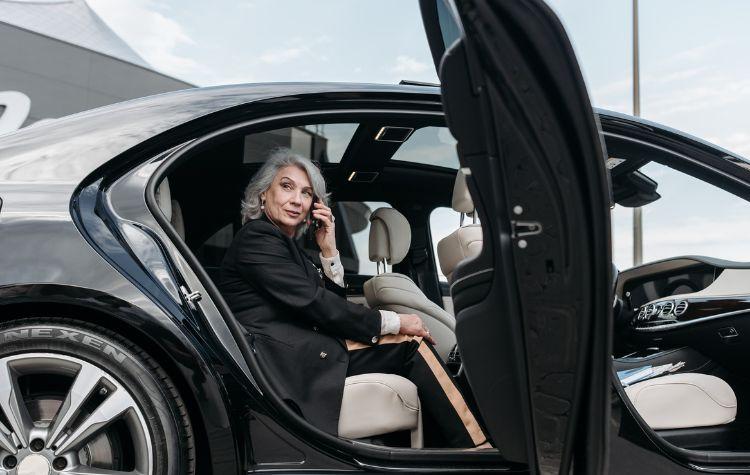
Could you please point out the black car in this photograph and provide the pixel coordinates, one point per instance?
(119, 355)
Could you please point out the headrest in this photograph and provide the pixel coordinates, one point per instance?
(390, 236)
(463, 243)
(462, 201)
(164, 199)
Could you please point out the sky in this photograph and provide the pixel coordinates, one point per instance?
(695, 75)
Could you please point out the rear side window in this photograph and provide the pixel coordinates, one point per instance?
(443, 221)
(352, 236)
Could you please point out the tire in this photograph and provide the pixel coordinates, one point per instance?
(92, 399)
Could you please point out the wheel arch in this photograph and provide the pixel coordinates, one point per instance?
(91, 306)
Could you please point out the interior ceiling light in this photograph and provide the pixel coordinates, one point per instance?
(393, 134)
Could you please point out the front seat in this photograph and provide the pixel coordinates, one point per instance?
(683, 400)
(390, 239)
(466, 241)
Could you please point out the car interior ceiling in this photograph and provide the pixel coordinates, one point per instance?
(209, 186)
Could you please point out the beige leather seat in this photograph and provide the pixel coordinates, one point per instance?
(390, 238)
(378, 403)
(684, 400)
(466, 241)
(171, 208)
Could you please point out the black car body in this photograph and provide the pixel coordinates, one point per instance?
(84, 248)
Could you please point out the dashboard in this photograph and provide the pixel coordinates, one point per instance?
(692, 301)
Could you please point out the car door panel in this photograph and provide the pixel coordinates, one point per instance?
(533, 308)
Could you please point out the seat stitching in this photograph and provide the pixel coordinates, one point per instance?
(405, 403)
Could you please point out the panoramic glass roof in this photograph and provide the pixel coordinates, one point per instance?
(327, 143)
(324, 143)
(430, 146)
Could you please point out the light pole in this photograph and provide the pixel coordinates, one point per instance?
(637, 212)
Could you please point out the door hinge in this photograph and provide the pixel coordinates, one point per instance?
(192, 298)
(521, 229)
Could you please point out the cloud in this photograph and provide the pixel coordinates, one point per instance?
(408, 65)
(664, 93)
(152, 35)
(737, 142)
(283, 55)
(296, 48)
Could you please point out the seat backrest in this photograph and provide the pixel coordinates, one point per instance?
(170, 207)
(466, 241)
(390, 238)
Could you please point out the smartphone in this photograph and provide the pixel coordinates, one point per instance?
(314, 223)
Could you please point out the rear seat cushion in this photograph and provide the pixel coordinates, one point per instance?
(377, 403)
(686, 400)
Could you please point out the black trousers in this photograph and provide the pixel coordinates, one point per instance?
(416, 360)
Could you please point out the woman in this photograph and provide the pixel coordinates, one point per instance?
(307, 336)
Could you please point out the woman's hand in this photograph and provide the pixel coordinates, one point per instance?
(412, 325)
(325, 236)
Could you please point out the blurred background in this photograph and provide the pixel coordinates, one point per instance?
(64, 56)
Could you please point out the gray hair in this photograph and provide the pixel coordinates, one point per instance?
(261, 182)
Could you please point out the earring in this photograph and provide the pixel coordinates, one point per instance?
(262, 205)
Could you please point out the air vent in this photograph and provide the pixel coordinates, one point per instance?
(680, 308)
(650, 310)
(667, 309)
(642, 314)
(393, 134)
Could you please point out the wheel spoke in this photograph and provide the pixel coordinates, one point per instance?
(108, 411)
(13, 406)
(86, 381)
(6, 442)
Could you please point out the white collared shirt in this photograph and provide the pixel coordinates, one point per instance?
(390, 323)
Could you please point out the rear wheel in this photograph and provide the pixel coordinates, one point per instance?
(76, 398)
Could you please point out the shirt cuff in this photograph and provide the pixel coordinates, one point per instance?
(390, 324)
(332, 268)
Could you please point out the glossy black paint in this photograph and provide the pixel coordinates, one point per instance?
(61, 255)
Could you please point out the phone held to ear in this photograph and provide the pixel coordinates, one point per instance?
(314, 223)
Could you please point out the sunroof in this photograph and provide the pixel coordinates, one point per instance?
(431, 146)
(324, 143)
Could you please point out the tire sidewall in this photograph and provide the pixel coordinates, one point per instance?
(98, 347)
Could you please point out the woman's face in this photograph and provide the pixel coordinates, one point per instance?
(287, 201)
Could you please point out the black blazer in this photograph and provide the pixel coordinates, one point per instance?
(296, 324)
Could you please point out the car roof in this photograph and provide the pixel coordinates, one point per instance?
(66, 150)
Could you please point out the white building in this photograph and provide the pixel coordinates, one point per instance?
(65, 59)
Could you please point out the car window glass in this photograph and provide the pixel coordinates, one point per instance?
(324, 143)
(449, 29)
(444, 221)
(430, 146)
(211, 252)
(692, 217)
(353, 235)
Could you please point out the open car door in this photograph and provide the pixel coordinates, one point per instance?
(533, 310)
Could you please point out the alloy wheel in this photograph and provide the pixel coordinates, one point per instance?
(62, 415)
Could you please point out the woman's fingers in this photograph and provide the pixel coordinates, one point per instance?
(412, 324)
(323, 213)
